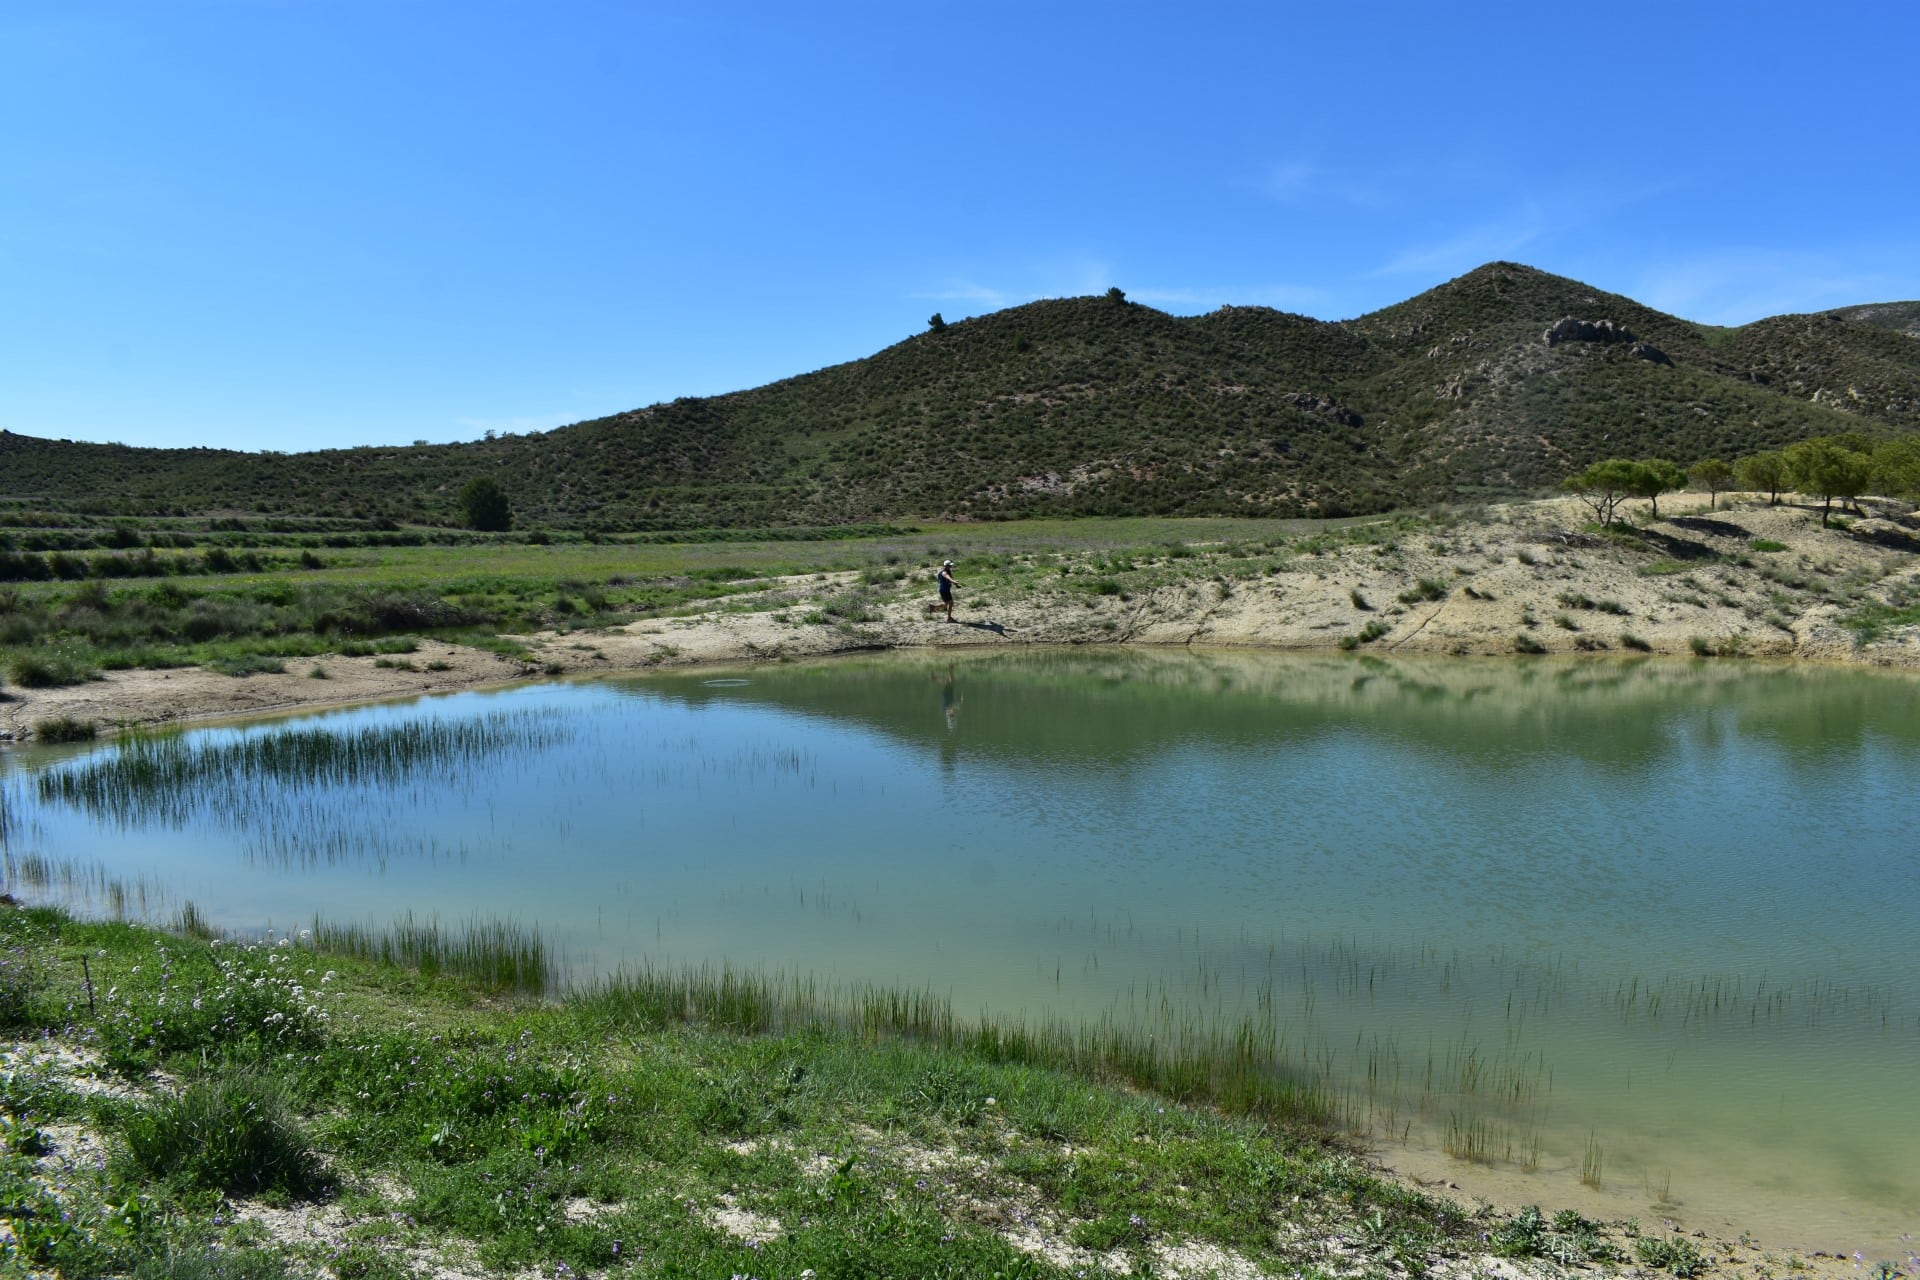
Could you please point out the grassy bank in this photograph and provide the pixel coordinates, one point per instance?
(545, 600)
(180, 1105)
(255, 606)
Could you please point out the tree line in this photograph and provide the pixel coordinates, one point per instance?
(1825, 467)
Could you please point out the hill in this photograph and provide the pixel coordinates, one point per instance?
(1499, 382)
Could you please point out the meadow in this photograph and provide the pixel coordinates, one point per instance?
(267, 597)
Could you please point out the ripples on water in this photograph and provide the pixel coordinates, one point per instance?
(1511, 908)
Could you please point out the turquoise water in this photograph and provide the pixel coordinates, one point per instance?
(1659, 909)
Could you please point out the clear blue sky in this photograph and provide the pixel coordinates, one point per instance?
(303, 223)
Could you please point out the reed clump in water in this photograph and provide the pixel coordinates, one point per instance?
(496, 954)
(169, 777)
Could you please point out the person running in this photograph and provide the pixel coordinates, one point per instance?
(946, 588)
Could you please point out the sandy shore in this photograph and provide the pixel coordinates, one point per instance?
(1527, 576)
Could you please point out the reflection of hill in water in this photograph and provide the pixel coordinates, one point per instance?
(1117, 705)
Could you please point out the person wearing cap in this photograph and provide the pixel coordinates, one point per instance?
(946, 588)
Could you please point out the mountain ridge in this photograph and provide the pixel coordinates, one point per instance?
(1099, 406)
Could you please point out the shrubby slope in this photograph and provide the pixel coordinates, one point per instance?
(1501, 381)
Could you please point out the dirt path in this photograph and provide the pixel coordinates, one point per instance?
(1755, 582)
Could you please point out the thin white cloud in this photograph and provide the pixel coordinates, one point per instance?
(1305, 183)
(1738, 286)
(1575, 210)
(1468, 248)
(963, 291)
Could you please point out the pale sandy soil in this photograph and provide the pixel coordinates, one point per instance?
(1508, 575)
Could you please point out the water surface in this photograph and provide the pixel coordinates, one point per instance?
(1659, 910)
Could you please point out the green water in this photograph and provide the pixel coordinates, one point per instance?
(1518, 908)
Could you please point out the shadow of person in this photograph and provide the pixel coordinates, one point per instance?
(994, 627)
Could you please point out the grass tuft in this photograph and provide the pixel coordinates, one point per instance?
(64, 729)
(233, 1134)
(497, 955)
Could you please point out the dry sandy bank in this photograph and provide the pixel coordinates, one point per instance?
(1523, 577)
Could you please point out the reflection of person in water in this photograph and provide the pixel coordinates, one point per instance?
(949, 697)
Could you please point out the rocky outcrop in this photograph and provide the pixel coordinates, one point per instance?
(1647, 351)
(1572, 330)
(1330, 409)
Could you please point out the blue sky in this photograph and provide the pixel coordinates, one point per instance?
(298, 224)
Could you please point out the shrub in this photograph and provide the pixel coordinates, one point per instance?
(248, 664)
(64, 729)
(1524, 643)
(1366, 635)
(1676, 1255)
(484, 504)
(50, 669)
(233, 1134)
(1427, 589)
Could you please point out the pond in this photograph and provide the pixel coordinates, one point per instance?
(1633, 937)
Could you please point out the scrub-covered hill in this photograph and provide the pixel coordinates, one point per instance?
(1502, 381)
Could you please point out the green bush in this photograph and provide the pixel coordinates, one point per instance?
(50, 669)
(233, 1134)
(1427, 589)
(1675, 1254)
(64, 729)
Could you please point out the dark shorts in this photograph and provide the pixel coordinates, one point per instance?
(946, 592)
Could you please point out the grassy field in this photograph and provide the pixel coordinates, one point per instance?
(179, 1105)
(372, 598)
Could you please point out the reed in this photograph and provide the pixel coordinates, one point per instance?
(1592, 1162)
(497, 954)
(171, 775)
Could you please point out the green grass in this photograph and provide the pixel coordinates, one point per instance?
(50, 668)
(609, 1127)
(64, 729)
(380, 600)
(1872, 622)
(231, 1133)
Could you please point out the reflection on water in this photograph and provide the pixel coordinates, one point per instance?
(1508, 908)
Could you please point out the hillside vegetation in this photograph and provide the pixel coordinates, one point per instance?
(1503, 381)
